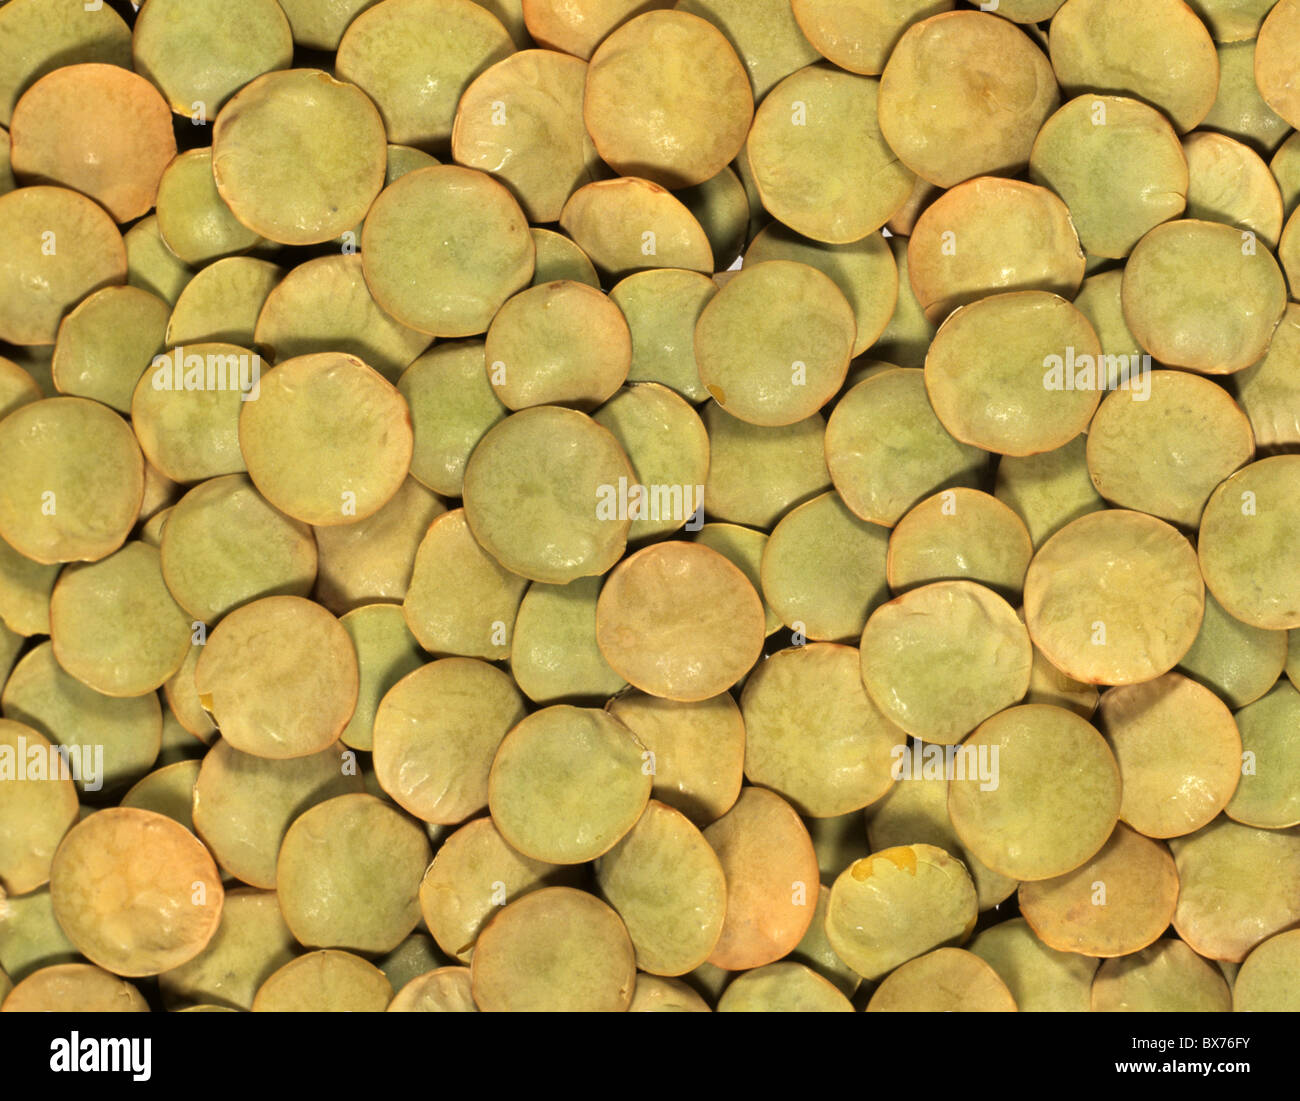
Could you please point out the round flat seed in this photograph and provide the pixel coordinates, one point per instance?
(915, 811)
(74, 988)
(630, 224)
(773, 346)
(1027, 396)
(1239, 109)
(554, 950)
(1168, 977)
(446, 990)
(168, 790)
(38, 807)
(17, 387)
(1268, 794)
(151, 264)
(538, 493)
(1165, 448)
(521, 121)
(1171, 302)
(328, 440)
(115, 626)
(772, 879)
(860, 35)
(559, 258)
(371, 560)
(436, 733)
(224, 545)
(415, 956)
(1179, 753)
(348, 872)
(756, 474)
(948, 980)
(764, 33)
(1285, 167)
(41, 35)
(299, 156)
(137, 893)
(977, 119)
(105, 343)
(1270, 977)
(864, 271)
(906, 338)
(960, 534)
(1114, 597)
(567, 783)
(386, 652)
(414, 58)
(243, 805)
(75, 480)
(813, 735)
(1154, 50)
(251, 943)
(815, 949)
(680, 621)
(473, 874)
(1117, 903)
(669, 448)
(1248, 550)
(743, 548)
(1054, 798)
(897, 904)
(1049, 489)
(185, 409)
(698, 750)
(1232, 20)
(61, 246)
(1091, 132)
(721, 206)
(941, 659)
(667, 99)
(1236, 661)
(444, 247)
(1269, 391)
(667, 885)
(185, 47)
(222, 302)
(823, 570)
(560, 343)
(554, 656)
(577, 28)
(1231, 183)
(111, 741)
(786, 987)
(324, 305)
(658, 995)
(453, 404)
(460, 599)
(193, 219)
(815, 139)
(1041, 979)
(1100, 300)
(98, 129)
(280, 677)
(1275, 53)
(992, 235)
(325, 982)
(886, 449)
(1288, 250)
(320, 26)
(1240, 885)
